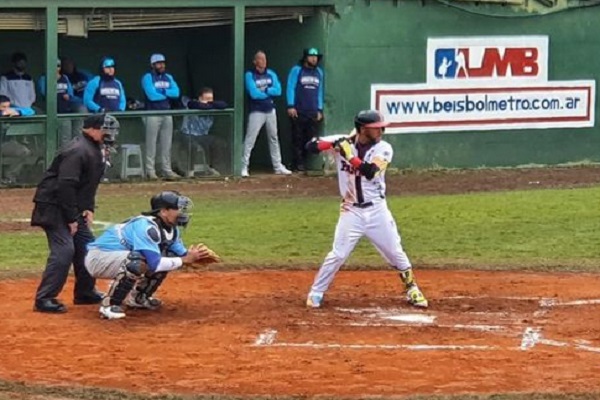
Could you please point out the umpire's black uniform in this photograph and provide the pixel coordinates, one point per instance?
(67, 189)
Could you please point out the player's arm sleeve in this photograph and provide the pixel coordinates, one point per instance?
(122, 98)
(88, 94)
(379, 164)
(316, 146)
(173, 90)
(149, 90)
(178, 248)
(252, 89)
(275, 89)
(25, 111)
(321, 89)
(291, 86)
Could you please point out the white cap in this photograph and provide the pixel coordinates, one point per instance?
(157, 58)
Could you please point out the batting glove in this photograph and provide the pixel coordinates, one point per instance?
(344, 147)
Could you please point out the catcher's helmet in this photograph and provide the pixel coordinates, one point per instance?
(369, 119)
(172, 200)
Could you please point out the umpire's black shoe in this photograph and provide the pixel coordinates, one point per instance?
(49, 306)
(94, 297)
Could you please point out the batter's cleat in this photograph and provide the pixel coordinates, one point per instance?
(314, 300)
(416, 298)
(245, 173)
(140, 301)
(111, 312)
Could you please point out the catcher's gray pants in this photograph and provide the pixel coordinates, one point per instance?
(378, 225)
(105, 264)
(64, 250)
(256, 120)
(159, 128)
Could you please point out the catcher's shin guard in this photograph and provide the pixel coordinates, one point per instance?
(141, 296)
(125, 280)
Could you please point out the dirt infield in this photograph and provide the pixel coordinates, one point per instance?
(249, 333)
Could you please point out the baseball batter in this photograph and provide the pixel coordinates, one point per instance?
(362, 158)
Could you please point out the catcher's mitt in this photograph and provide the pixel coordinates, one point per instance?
(208, 256)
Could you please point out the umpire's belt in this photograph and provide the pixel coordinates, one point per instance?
(363, 205)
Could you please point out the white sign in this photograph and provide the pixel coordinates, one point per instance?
(494, 60)
(421, 108)
(486, 83)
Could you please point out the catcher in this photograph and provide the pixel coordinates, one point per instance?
(139, 253)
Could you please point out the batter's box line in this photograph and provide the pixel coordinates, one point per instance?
(268, 338)
(474, 327)
(532, 336)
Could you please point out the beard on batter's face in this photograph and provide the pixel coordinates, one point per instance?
(371, 135)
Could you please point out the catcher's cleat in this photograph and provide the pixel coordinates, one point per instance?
(112, 312)
(141, 301)
(314, 300)
(416, 298)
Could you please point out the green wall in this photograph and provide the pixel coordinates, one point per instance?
(386, 43)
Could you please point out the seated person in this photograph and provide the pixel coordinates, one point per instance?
(12, 148)
(197, 128)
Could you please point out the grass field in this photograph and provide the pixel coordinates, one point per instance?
(535, 229)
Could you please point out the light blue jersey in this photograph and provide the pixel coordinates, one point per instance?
(141, 234)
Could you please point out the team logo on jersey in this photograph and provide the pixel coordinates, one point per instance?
(348, 168)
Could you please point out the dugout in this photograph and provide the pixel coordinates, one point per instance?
(206, 43)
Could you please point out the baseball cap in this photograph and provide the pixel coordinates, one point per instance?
(155, 58)
(108, 62)
(312, 51)
(94, 121)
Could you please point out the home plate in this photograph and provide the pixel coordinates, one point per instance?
(411, 318)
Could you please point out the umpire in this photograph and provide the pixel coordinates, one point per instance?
(64, 208)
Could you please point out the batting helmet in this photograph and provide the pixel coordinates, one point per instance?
(369, 119)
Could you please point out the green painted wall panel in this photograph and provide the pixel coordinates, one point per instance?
(385, 43)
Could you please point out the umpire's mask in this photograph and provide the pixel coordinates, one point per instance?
(110, 129)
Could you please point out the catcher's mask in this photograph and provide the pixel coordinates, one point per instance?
(172, 200)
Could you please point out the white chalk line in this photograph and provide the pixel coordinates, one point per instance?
(103, 224)
(477, 327)
(533, 336)
(413, 347)
(266, 338)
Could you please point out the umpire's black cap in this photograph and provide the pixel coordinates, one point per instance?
(94, 121)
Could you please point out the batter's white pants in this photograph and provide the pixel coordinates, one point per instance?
(256, 120)
(378, 225)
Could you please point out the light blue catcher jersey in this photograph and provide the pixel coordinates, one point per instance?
(139, 234)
